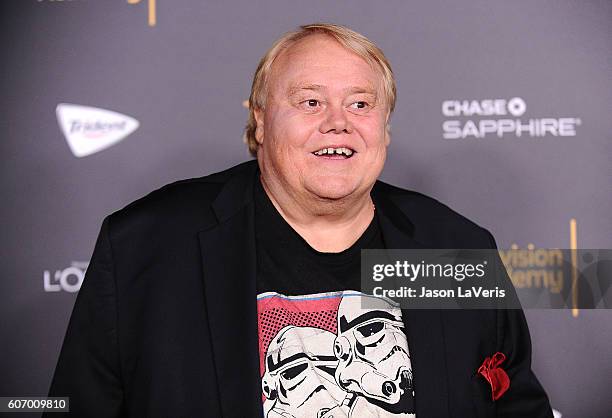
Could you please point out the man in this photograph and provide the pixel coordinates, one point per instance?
(237, 294)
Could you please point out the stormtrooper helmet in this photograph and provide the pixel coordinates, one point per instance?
(372, 349)
(299, 374)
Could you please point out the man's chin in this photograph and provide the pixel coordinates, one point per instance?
(334, 190)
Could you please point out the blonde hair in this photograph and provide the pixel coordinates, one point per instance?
(348, 38)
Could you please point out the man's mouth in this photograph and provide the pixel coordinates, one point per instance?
(340, 153)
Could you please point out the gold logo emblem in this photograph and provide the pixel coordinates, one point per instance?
(152, 18)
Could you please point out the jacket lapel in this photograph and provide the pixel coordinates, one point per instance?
(424, 328)
(228, 260)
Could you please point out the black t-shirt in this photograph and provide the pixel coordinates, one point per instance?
(287, 264)
(323, 352)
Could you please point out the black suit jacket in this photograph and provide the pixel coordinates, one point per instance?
(165, 323)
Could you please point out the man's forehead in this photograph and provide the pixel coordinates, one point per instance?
(305, 65)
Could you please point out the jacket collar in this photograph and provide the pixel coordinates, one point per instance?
(237, 193)
(229, 268)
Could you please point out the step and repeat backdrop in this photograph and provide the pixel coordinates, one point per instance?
(503, 113)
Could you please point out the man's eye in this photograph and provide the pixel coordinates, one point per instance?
(359, 105)
(312, 103)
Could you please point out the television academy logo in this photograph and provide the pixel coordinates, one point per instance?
(90, 129)
(508, 122)
(69, 279)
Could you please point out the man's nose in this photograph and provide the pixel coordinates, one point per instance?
(336, 121)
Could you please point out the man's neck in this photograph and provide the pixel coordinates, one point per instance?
(326, 225)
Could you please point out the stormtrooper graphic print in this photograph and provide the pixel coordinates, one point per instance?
(338, 354)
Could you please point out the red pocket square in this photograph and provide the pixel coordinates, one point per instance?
(495, 375)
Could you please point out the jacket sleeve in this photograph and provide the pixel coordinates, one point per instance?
(88, 366)
(526, 396)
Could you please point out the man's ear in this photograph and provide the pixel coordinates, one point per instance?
(387, 134)
(259, 130)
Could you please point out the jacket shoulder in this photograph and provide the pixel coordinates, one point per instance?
(435, 222)
(181, 202)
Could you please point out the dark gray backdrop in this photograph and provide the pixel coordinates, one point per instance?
(185, 79)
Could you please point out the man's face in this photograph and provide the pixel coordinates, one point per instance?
(322, 96)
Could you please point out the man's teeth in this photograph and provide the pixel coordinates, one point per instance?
(331, 151)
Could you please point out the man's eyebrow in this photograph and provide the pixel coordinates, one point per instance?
(295, 89)
(359, 90)
(318, 87)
